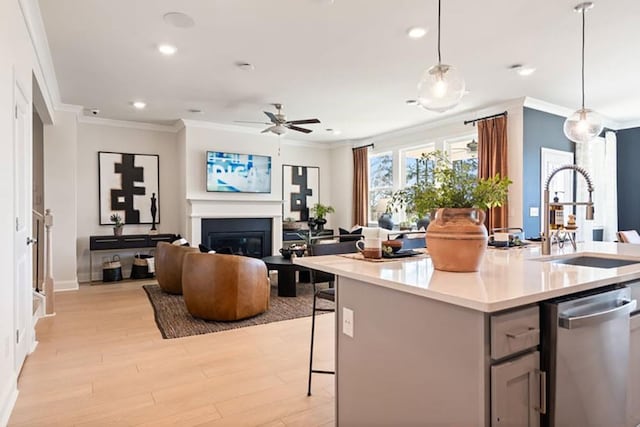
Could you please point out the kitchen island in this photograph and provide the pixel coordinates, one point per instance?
(427, 347)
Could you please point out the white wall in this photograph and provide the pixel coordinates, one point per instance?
(104, 136)
(16, 63)
(201, 137)
(60, 179)
(341, 159)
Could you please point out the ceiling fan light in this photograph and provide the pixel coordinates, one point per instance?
(279, 129)
(583, 125)
(441, 88)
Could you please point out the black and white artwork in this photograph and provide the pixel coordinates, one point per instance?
(127, 184)
(300, 190)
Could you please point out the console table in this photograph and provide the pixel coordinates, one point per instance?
(129, 241)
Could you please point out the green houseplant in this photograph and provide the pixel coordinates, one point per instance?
(455, 199)
(320, 212)
(117, 224)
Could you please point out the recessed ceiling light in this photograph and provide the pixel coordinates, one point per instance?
(522, 70)
(417, 32)
(139, 105)
(245, 66)
(195, 110)
(178, 19)
(167, 49)
(411, 102)
(333, 131)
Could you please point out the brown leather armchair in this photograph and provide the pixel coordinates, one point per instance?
(225, 287)
(169, 261)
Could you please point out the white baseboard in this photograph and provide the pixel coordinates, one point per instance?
(65, 285)
(8, 397)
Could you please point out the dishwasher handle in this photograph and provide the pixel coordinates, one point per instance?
(624, 309)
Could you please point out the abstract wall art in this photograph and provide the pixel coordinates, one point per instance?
(127, 183)
(300, 190)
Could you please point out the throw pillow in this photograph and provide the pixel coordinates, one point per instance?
(205, 249)
(346, 236)
(180, 241)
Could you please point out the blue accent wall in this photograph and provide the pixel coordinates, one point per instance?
(540, 130)
(628, 179)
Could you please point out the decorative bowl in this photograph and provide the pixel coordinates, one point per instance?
(287, 252)
(392, 246)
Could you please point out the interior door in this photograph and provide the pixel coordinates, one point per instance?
(562, 183)
(22, 213)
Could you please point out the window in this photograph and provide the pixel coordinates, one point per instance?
(412, 165)
(380, 183)
(464, 152)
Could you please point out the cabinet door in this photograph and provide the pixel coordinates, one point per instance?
(633, 395)
(515, 392)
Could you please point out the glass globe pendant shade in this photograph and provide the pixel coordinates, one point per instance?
(440, 88)
(583, 125)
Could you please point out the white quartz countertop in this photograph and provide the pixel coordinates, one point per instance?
(507, 278)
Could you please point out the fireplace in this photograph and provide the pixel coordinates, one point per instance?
(238, 236)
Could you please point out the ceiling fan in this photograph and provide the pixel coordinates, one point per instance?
(470, 148)
(279, 123)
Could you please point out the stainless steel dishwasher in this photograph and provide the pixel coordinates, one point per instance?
(585, 351)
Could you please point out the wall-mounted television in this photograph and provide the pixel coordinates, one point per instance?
(238, 173)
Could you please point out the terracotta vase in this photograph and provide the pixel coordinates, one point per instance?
(457, 239)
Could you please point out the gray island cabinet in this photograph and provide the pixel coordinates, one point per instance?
(426, 347)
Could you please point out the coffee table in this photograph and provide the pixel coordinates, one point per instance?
(286, 274)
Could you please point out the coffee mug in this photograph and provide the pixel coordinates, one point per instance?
(370, 247)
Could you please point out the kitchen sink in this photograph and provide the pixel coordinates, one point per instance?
(594, 261)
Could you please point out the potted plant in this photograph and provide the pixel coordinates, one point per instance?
(117, 226)
(321, 212)
(456, 200)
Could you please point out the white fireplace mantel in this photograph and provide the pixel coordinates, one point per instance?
(234, 208)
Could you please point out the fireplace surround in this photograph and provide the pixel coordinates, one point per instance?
(238, 236)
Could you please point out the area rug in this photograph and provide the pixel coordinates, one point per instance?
(174, 321)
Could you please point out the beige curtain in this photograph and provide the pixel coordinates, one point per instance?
(360, 185)
(492, 159)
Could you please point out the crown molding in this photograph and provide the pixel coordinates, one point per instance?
(547, 107)
(629, 124)
(128, 124)
(456, 119)
(70, 108)
(43, 67)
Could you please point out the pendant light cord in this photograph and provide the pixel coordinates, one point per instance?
(439, 56)
(584, 12)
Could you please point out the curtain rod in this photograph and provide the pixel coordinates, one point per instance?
(504, 113)
(363, 146)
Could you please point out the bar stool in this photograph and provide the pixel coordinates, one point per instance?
(324, 294)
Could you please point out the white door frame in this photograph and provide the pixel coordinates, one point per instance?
(551, 159)
(22, 195)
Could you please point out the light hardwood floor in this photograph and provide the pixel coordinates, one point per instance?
(102, 362)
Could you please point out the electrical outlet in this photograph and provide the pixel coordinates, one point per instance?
(347, 322)
(534, 211)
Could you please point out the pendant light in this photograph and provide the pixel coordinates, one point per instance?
(441, 86)
(585, 124)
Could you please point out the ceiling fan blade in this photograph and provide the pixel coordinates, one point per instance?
(303, 122)
(267, 129)
(303, 130)
(272, 117)
(246, 121)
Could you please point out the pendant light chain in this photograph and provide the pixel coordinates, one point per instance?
(584, 12)
(439, 56)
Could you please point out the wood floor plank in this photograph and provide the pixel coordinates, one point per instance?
(101, 361)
